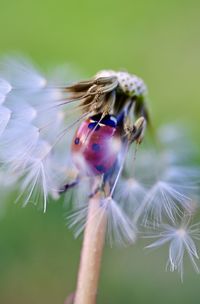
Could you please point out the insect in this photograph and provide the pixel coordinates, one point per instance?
(96, 145)
(114, 100)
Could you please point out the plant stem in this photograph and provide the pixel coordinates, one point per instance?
(93, 243)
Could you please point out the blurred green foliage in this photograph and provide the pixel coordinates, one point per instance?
(158, 40)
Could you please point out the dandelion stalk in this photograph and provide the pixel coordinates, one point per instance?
(93, 243)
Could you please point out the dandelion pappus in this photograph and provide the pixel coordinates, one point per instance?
(37, 119)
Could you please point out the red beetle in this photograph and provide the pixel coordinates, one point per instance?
(96, 145)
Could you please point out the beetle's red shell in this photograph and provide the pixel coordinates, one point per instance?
(96, 146)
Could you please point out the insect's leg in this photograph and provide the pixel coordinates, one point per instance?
(98, 188)
(105, 183)
(135, 133)
(139, 128)
(68, 186)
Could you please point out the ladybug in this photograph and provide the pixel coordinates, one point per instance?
(96, 145)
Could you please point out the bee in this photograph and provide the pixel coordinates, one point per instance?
(118, 115)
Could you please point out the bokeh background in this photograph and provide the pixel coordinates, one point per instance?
(158, 40)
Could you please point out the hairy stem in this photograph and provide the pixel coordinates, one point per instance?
(93, 243)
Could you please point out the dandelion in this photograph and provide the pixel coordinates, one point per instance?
(82, 140)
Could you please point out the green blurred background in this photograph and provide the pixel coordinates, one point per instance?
(158, 40)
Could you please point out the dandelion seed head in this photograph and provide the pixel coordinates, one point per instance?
(142, 186)
(131, 84)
